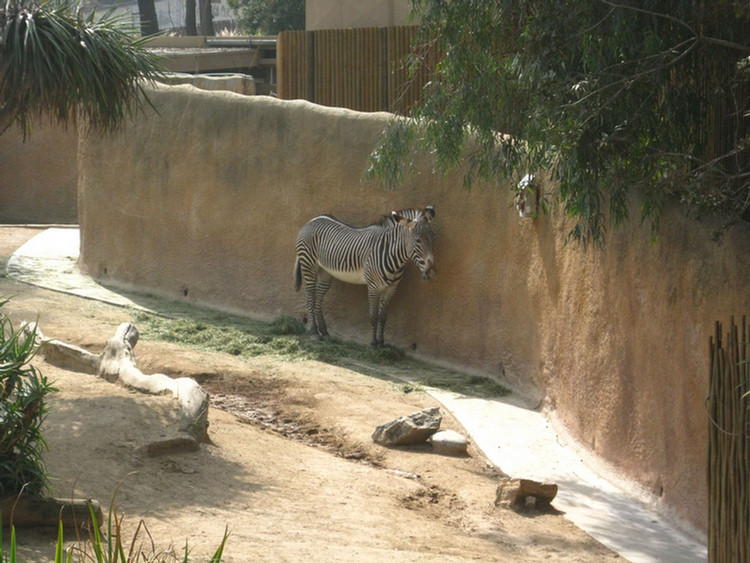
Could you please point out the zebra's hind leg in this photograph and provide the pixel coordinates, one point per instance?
(311, 282)
(322, 285)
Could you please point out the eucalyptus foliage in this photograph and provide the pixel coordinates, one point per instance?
(23, 391)
(57, 62)
(621, 101)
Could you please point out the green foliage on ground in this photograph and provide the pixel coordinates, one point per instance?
(286, 339)
(23, 391)
(625, 104)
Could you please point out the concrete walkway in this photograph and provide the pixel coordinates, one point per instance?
(519, 441)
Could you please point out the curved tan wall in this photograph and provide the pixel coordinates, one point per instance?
(203, 201)
(39, 176)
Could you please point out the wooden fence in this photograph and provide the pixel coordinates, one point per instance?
(362, 69)
(729, 446)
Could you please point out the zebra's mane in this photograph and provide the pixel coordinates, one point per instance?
(384, 221)
(412, 214)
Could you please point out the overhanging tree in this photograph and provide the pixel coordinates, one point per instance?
(616, 99)
(56, 62)
(269, 17)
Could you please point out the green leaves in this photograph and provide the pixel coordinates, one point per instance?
(621, 103)
(55, 61)
(23, 390)
(269, 17)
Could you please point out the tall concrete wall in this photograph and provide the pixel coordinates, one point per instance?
(39, 175)
(202, 202)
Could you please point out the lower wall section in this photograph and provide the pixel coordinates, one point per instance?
(202, 202)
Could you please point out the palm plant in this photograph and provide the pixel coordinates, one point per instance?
(56, 61)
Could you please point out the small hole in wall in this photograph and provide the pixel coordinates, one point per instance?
(658, 488)
(185, 292)
(414, 347)
(304, 320)
(104, 271)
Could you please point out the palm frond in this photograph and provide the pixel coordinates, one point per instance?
(55, 61)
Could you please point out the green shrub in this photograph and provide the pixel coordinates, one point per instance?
(22, 410)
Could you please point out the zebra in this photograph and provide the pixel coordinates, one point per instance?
(375, 256)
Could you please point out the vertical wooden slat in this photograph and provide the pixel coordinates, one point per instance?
(363, 69)
(322, 60)
(281, 65)
(369, 50)
(321, 66)
(334, 68)
(729, 445)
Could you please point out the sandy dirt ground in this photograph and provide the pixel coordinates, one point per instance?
(291, 470)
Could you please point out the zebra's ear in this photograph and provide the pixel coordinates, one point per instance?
(429, 213)
(401, 220)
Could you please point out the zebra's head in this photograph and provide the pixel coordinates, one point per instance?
(419, 237)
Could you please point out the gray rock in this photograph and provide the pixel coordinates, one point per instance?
(449, 442)
(415, 428)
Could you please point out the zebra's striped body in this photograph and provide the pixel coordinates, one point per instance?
(375, 256)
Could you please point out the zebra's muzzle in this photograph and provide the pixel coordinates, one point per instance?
(428, 271)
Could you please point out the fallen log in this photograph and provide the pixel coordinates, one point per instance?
(117, 364)
(24, 511)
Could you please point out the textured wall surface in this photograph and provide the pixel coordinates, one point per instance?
(39, 176)
(203, 202)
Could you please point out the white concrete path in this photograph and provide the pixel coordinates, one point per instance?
(519, 441)
(522, 443)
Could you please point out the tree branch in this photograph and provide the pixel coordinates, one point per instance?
(678, 21)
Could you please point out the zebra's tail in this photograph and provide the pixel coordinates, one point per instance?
(297, 274)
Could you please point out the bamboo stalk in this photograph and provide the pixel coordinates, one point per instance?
(715, 520)
(729, 445)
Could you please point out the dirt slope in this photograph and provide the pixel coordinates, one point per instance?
(291, 470)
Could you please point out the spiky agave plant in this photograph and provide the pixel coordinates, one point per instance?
(56, 61)
(23, 390)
